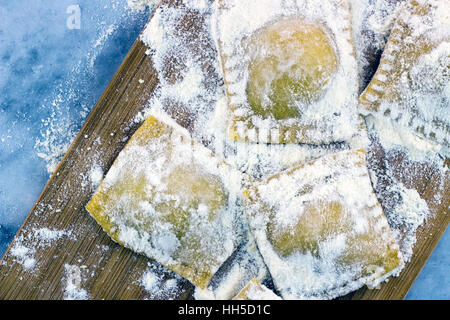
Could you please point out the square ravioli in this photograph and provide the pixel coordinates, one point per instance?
(289, 69)
(320, 228)
(372, 23)
(411, 88)
(170, 199)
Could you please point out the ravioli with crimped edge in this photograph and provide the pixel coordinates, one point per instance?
(411, 88)
(320, 228)
(290, 71)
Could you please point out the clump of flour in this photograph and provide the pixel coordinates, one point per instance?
(73, 278)
(372, 23)
(41, 238)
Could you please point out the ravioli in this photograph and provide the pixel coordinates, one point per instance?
(411, 88)
(244, 265)
(320, 228)
(292, 62)
(373, 21)
(170, 199)
(289, 71)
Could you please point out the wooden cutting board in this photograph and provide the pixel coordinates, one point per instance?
(36, 266)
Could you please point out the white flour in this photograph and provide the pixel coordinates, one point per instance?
(159, 283)
(372, 23)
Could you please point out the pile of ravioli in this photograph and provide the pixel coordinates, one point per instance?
(290, 75)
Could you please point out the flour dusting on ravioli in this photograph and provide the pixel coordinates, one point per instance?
(321, 230)
(289, 70)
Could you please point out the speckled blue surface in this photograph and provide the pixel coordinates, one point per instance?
(51, 77)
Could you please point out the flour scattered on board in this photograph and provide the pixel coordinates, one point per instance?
(372, 21)
(160, 283)
(202, 96)
(40, 238)
(46, 235)
(150, 281)
(408, 215)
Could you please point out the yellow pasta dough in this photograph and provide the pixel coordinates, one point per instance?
(170, 199)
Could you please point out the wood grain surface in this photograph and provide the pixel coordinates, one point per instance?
(34, 267)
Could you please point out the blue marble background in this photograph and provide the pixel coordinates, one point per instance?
(50, 78)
